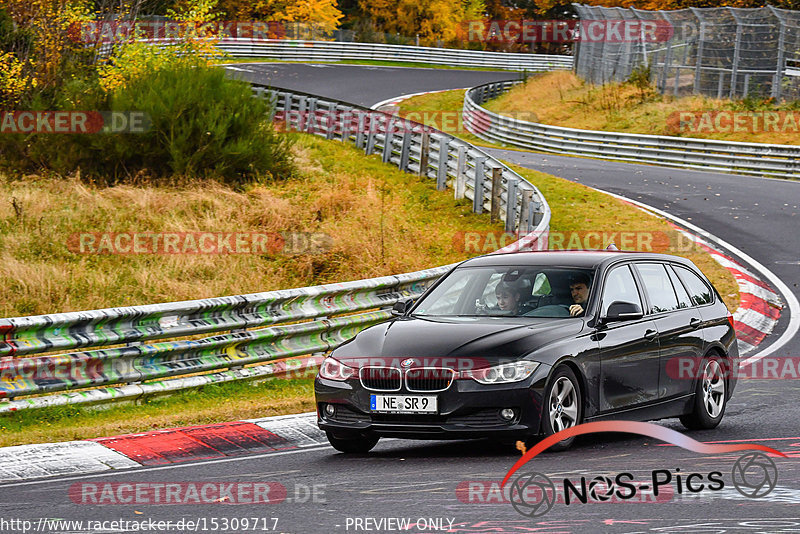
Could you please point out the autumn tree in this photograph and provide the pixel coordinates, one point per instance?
(432, 20)
(321, 14)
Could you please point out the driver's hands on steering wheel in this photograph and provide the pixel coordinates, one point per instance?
(575, 309)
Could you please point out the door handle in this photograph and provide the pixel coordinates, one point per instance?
(650, 334)
(695, 322)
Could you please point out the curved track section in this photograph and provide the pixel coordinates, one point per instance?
(455, 486)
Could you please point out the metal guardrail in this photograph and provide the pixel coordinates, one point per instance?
(123, 353)
(288, 50)
(779, 161)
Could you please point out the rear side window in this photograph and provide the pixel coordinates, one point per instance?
(683, 296)
(699, 292)
(621, 286)
(658, 287)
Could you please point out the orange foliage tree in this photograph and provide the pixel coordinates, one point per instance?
(322, 14)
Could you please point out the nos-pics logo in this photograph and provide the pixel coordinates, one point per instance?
(533, 494)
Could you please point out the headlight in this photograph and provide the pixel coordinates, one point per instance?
(335, 370)
(503, 374)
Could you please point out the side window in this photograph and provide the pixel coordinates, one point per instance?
(620, 285)
(658, 287)
(541, 285)
(683, 296)
(699, 292)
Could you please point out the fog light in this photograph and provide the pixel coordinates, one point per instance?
(330, 410)
(507, 414)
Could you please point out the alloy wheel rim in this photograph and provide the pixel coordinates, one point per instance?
(713, 389)
(563, 404)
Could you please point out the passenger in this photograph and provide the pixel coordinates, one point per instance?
(579, 289)
(509, 299)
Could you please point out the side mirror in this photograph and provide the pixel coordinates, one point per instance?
(622, 311)
(402, 306)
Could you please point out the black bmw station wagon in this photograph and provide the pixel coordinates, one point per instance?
(531, 343)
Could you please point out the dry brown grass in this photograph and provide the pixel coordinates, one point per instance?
(561, 98)
(381, 222)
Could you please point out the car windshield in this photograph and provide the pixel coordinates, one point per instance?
(524, 291)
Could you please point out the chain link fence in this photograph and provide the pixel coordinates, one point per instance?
(719, 52)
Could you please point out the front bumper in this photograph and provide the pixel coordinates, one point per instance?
(466, 409)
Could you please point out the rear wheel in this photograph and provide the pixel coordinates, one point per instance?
(709, 396)
(563, 405)
(355, 444)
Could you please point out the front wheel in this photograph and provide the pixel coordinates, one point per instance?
(358, 444)
(563, 405)
(709, 397)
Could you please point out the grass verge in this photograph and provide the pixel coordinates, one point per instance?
(560, 98)
(377, 218)
(212, 404)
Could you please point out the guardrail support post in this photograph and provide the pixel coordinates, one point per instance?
(360, 132)
(405, 150)
(511, 204)
(424, 153)
(304, 119)
(524, 211)
(497, 181)
(461, 172)
(536, 213)
(441, 170)
(370, 146)
(330, 129)
(388, 138)
(347, 121)
(477, 200)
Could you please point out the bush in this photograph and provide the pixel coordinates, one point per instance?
(202, 124)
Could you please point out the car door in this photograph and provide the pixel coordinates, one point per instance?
(629, 350)
(679, 326)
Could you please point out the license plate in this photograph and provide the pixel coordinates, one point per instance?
(403, 403)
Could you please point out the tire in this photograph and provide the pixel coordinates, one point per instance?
(358, 444)
(563, 406)
(709, 396)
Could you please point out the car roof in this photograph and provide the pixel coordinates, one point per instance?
(585, 259)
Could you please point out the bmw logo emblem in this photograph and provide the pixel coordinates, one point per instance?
(408, 362)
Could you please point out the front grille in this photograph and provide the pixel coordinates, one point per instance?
(429, 379)
(380, 378)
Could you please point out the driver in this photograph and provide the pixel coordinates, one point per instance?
(579, 289)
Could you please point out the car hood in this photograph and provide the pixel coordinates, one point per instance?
(482, 337)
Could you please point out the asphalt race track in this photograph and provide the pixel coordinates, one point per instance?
(436, 485)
